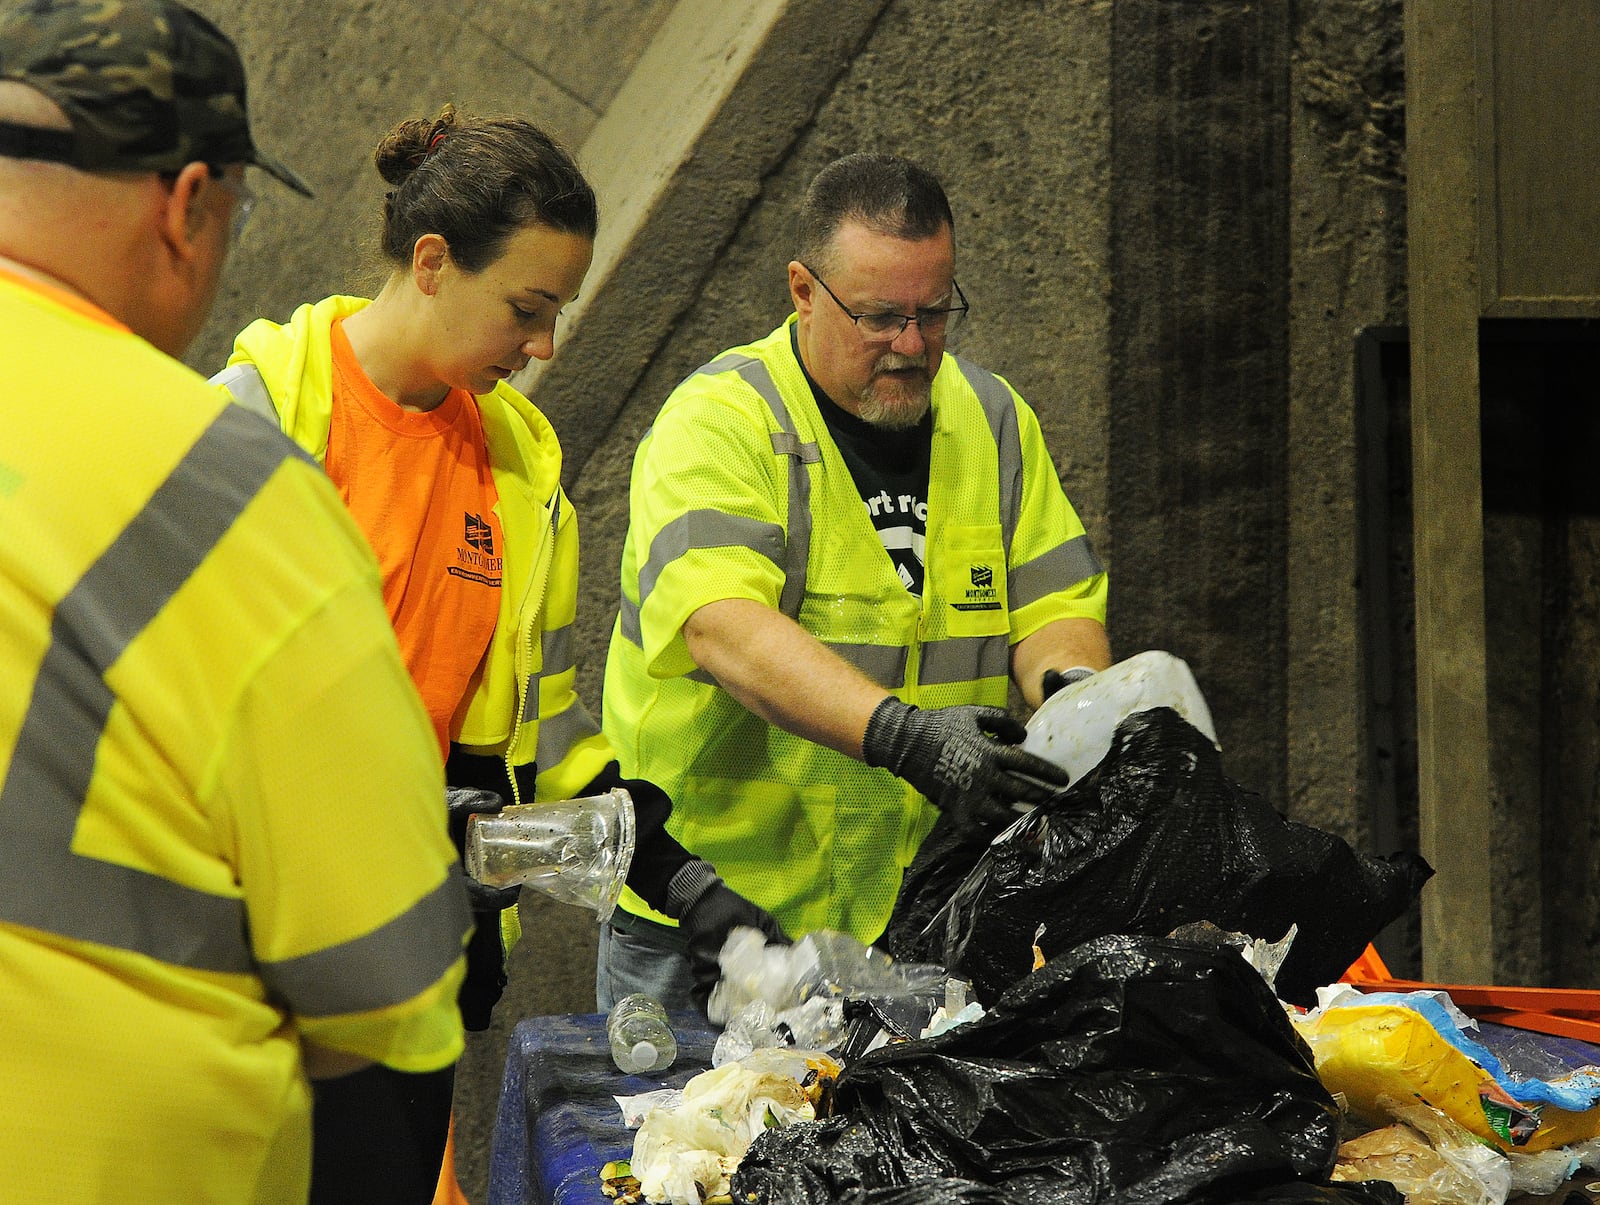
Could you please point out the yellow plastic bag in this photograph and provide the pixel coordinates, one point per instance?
(1364, 1051)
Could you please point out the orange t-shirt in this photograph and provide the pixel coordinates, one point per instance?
(419, 487)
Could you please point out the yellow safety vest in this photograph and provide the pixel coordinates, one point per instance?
(738, 491)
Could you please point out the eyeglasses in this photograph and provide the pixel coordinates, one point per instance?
(244, 201)
(886, 327)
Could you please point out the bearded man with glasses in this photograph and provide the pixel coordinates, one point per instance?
(843, 545)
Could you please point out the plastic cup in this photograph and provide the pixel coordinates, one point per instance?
(574, 850)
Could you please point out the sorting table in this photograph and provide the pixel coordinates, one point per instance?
(557, 1123)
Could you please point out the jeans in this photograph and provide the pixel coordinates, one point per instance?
(638, 955)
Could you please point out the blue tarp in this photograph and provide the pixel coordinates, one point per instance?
(557, 1124)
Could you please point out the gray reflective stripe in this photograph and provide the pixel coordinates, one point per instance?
(555, 651)
(696, 529)
(628, 622)
(884, 664)
(628, 625)
(386, 967)
(964, 659)
(707, 529)
(43, 884)
(785, 442)
(1001, 411)
(243, 381)
(530, 684)
(555, 655)
(559, 733)
(1064, 565)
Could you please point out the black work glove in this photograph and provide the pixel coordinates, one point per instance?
(1055, 679)
(964, 759)
(710, 909)
(485, 979)
(460, 803)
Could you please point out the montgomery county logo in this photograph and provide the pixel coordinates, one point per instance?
(475, 558)
(983, 596)
(480, 537)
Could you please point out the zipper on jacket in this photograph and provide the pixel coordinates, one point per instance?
(525, 643)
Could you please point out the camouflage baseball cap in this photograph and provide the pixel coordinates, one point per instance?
(148, 85)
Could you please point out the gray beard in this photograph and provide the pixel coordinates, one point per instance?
(896, 407)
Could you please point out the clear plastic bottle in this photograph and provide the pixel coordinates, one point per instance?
(641, 1039)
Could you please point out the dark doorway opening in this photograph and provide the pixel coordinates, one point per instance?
(1540, 532)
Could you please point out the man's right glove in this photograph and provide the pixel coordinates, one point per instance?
(485, 979)
(462, 803)
(709, 910)
(965, 759)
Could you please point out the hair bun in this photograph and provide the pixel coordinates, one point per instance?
(407, 145)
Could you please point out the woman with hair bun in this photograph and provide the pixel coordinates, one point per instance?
(455, 478)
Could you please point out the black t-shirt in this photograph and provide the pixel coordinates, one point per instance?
(890, 469)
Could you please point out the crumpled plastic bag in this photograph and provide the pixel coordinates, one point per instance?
(1154, 837)
(685, 1152)
(1130, 1069)
(1399, 1155)
(801, 994)
(1368, 1048)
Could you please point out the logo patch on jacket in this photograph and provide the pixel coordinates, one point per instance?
(982, 596)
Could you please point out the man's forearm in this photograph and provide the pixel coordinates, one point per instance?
(782, 673)
(1061, 644)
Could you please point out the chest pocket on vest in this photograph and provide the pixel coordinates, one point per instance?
(970, 583)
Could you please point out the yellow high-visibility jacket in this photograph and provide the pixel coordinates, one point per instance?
(739, 492)
(198, 873)
(525, 707)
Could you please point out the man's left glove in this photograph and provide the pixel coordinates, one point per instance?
(460, 803)
(1055, 679)
(708, 909)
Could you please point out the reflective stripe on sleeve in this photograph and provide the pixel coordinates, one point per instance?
(43, 883)
(392, 964)
(1065, 565)
(559, 733)
(243, 381)
(707, 529)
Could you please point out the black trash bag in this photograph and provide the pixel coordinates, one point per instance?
(1154, 837)
(1132, 1070)
(947, 855)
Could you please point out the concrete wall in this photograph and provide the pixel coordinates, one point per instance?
(328, 80)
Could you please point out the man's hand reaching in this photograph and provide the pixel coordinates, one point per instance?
(966, 759)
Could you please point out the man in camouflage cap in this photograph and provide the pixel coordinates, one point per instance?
(147, 85)
(196, 673)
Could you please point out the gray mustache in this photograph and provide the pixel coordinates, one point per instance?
(894, 362)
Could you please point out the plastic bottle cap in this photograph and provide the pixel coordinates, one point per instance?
(645, 1054)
